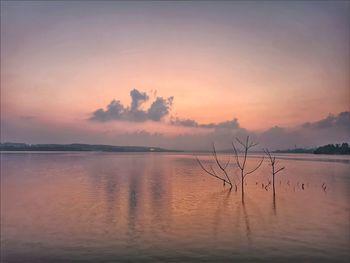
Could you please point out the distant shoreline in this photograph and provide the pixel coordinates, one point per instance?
(330, 149)
(77, 147)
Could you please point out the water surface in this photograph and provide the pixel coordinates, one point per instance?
(158, 207)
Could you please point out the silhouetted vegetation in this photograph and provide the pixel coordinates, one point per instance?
(326, 149)
(333, 149)
(222, 167)
(242, 165)
(275, 169)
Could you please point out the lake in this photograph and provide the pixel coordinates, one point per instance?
(162, 207)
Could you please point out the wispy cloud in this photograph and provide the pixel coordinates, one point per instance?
(230, 124)
(342, 120)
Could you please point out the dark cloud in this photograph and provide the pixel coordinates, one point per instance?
(280, 138)
(117, 111)
(160, 108)
(231, 124)
(156, 112)
(331, 129)
(342, 120)
(184, 122)
(137, 99)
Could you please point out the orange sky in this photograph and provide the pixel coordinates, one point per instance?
(265, 64)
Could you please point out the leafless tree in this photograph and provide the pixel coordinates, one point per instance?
(275, 170)
(242, 164)
(222, 167)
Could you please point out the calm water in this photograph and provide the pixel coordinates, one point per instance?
(108, 207)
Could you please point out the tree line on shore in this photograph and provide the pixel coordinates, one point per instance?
(325, 149)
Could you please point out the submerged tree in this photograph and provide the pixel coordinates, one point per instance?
(275, 170)
(222, 167)
(242, 164)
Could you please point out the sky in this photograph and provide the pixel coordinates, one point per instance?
(175, 74)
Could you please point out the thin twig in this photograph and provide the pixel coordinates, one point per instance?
(220, 166)
(256, 168)
(211, 173)
(279, 170)
(236, 156)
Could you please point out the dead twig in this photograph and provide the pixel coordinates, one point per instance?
(222, 167)
(246, 146)
(273, 163)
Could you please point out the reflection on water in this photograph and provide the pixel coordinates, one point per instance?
(107, 207)
(274, 206)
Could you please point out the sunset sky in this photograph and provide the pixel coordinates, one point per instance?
(178, 70)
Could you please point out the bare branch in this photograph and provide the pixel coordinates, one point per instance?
(241, 163)
(245, 153)
(252, 145)
(220, 166)
(236, 156)
(227, 163)
(279, 169)
(239, 141)
(216, 158)
(273, 163)
(211, 173)
(256, 168)
(202, 166)
(211, 168)
(269, 155)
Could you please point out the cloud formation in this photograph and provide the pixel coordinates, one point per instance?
(311, 135)
(342, 120)
(160, 108)
(331, 129)
(230, 124)
(137, 98)
(117, 111)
